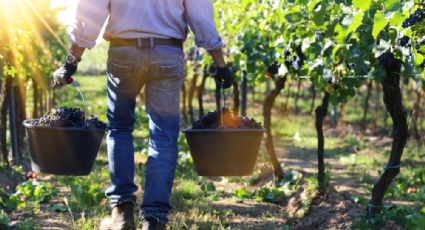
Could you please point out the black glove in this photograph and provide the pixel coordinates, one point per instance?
(63, 75)
(223, 77)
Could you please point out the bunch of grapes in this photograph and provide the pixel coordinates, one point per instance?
(295, 61)
(68, 117)
(414, 18)
(213, 121)
(94, 123)
(404, 42)
(273, 69)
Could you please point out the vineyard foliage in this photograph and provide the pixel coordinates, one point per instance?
(339, 41)
(31, 41)
(333, 43)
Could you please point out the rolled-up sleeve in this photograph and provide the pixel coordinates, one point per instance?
(89, 20)
(200, 17)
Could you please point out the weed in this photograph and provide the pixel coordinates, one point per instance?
(86, 192)
(405, 217)
(26, 224)
(4, 218)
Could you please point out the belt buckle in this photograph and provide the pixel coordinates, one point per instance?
(152, 43)
(140, 43)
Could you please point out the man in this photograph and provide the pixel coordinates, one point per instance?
(145, 51)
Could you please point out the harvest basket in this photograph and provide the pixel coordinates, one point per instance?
(224, 152)
(63, 151)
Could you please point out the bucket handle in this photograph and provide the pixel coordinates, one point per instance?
(222, 103)
(77, 87)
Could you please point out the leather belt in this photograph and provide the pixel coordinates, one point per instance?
(146, 42)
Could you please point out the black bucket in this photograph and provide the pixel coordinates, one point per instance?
(63, 151)
(224, 152)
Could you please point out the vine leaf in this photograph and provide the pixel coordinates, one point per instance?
(379, 23)
(392, 5)
(397, 19)
(362, 4)
(357, 21)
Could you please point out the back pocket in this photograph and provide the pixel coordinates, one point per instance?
(170, 76)
(122, 76)
(170, 70)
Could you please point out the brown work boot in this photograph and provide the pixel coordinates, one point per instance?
(122, 218)
(150, 223)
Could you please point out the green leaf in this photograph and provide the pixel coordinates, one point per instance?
(58, 208)
(391, 5)
(341, 33)
(311, 5)
(357, 21)
(379, 23)
(319, 15)
(419, 59)
(243, 194)
(362, 4)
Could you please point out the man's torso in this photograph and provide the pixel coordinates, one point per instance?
(146, 18)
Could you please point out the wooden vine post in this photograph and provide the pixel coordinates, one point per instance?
(200, 91)
(5, 99)
(419, 93)
(236, 98)
(192, 90)
(366, 103)
(244, 92)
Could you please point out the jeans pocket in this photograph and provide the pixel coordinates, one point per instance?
(122, 76)
(170, 75)
(170, 70)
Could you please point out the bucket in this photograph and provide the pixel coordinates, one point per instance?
(224, 152)
(63, 151)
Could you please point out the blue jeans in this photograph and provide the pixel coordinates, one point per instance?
(160, 71)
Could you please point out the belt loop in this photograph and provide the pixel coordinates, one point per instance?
(139, 43)
(152, 42)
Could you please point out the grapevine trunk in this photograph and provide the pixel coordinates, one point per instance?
(393, 103)
(321, 112)
(267, 109)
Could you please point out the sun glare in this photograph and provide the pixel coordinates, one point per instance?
(23, 20)
(68, 7)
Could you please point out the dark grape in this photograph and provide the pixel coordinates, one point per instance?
(296, 61)
(403, 41)
(273, 69)
(69, 117)
(414, 18)
(213, 121)
(351, 66)
(94, 122)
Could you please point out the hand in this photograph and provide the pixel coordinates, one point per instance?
(63, 75)
(224, 77)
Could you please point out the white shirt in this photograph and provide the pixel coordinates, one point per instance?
(145, 19)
